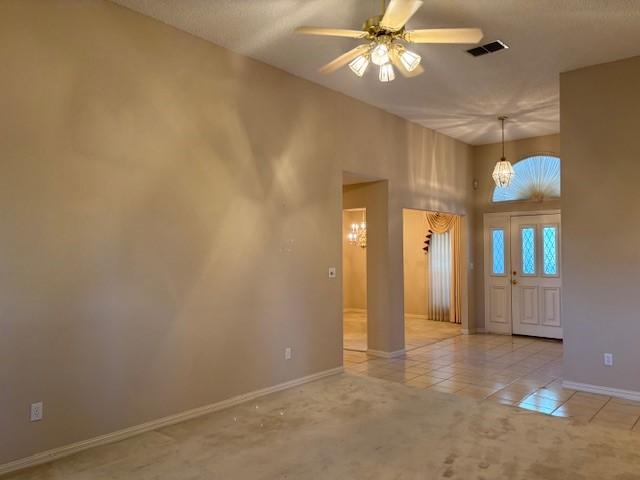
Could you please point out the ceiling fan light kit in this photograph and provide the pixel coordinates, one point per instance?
(409, 59)
(359, 65)
(386, 36)
(380, 54)
(386, 73)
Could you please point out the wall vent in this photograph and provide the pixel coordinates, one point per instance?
(487, 48)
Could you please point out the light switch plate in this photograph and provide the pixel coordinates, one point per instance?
(332, 272)
(608, 359)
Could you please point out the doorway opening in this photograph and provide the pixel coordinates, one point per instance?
(432, 277)
(368, 325)
(354, 279)
(523, 274)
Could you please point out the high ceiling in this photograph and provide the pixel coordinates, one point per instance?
(458, 95)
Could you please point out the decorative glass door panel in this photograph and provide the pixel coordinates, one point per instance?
(536, 276)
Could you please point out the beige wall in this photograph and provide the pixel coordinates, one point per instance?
(601, 223)
(354, 265)
(484, 159)
(169, 212)
(415, 263)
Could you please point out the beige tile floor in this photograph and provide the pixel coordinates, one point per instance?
(518, 371)
(354, 329)
(418, 332)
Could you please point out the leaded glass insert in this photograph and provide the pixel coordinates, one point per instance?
(550, 250)
(498, 251)
(528, 250)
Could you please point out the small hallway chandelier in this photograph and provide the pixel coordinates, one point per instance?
(503, 172)
(358, 233)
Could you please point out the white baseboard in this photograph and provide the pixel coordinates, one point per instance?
(612, 392)
(64, 451)
(472, 331)
(354, 310)
(380, 353)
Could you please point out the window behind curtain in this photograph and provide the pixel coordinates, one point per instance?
(439, 277)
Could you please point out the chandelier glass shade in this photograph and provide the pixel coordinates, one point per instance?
(503, 172)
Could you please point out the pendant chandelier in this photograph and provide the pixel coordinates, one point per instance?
(503, 172)
(358, 233)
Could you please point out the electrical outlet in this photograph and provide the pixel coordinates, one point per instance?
(608, 359)
(36, 412)
(332, 272)
(287, 353)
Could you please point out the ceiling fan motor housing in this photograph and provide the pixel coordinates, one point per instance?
(373, 28)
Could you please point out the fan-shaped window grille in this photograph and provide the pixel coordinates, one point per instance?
(537, 178)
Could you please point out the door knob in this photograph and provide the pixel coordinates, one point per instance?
(514, 281)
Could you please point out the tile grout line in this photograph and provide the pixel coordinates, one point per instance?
(635, 423)
(599, 410)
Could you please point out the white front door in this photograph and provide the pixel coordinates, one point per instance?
(536, 277)
(523, 275)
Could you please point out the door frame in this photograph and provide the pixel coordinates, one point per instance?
(493, 219)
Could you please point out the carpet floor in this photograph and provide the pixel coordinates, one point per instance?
(354, 427)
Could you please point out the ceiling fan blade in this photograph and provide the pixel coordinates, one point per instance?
(398, 13)
(331, 32)
(444, 35)
(395, 59)
(343, 59)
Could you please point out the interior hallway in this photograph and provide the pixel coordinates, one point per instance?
(418, 331)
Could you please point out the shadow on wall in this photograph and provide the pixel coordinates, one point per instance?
(440, 186)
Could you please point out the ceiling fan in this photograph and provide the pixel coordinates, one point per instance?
(386, 37)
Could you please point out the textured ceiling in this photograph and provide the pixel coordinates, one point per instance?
(458, 95)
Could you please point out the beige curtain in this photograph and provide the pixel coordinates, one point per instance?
(441, 223)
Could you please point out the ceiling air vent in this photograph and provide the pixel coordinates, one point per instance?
(487, 48)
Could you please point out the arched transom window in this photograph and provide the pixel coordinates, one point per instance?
(537, 178)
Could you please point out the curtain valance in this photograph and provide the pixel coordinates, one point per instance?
(441, 223)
